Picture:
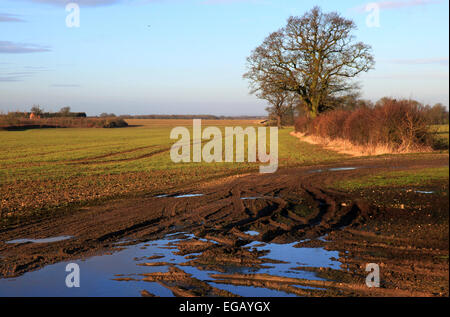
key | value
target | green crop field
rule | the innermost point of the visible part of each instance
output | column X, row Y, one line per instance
column 398, row 178
column 46, row 168
column 442, row 135
column 43, row 169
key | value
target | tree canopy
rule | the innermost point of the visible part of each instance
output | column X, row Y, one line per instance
column 314, row 56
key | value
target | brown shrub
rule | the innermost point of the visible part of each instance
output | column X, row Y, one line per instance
column 302, row 124
column 402, row 124
column 358, row 127
column 114, row 123
column 329, row 124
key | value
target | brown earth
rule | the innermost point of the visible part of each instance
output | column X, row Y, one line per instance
column 409, row 240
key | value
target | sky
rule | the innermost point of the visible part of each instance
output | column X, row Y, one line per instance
column 188, row 56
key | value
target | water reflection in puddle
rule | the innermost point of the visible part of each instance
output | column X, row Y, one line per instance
column 200, row 195
column 258, row 197
column 45, row 240
column 308, row 257
column 97, row 273
column 179, row 196
column 426, row 192
column 251, row 198
column 188, row 195
column 334, row 169
column 342, row 169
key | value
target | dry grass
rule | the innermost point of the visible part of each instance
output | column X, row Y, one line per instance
column 346, row 147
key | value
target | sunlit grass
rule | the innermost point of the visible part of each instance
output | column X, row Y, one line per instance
column 397, row 178
column 43, row 169
column 62, row 153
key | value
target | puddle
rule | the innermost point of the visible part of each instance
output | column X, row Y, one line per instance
column 342, row 169
column 180, row 196
column 45, row 240
column 309, row 257
column 252, row 233
column 251, row 198
column 97, row 273
column 258, row 197
column 188, row 195
column 334, row 169
column 199, row 195
column 427, row 192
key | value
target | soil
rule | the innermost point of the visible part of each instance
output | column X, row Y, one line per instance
column 403, row 231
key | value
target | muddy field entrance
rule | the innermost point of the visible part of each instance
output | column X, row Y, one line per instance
column 284, row 234
column 174, row 265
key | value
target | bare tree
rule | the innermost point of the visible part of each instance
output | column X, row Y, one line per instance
column 37, row 110
column 65, row 111
column 281, row 102
column 438, row 114
column 313, row 56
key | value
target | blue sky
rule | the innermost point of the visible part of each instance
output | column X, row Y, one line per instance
column 188, row 56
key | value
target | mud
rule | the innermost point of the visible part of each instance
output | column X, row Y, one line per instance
column 291, row 207
column 44, row 240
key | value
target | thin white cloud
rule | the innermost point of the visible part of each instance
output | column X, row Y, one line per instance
column 7, row 47
column 10, row 73
column 9, row 78
column 386, row 5
column 6, row 17
column 95, row 3
column 87, row 3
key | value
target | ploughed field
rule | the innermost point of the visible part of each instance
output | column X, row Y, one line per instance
column 146, row 226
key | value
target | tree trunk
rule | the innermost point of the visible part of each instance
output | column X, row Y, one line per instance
column 314, row 108
column 279, row 121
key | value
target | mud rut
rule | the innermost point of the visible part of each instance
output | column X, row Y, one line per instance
column 288, row 206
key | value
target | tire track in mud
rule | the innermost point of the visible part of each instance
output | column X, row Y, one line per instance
column 288, row 206
column 56, row 151
column 92, row 160
column 214, row 214
column 114, row 153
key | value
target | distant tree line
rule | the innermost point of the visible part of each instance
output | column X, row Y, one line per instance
column 38, row 112
column 37, row 118
column 203, row 117
column 437, row 114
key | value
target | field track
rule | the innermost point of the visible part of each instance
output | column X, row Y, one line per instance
column 291, row 205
